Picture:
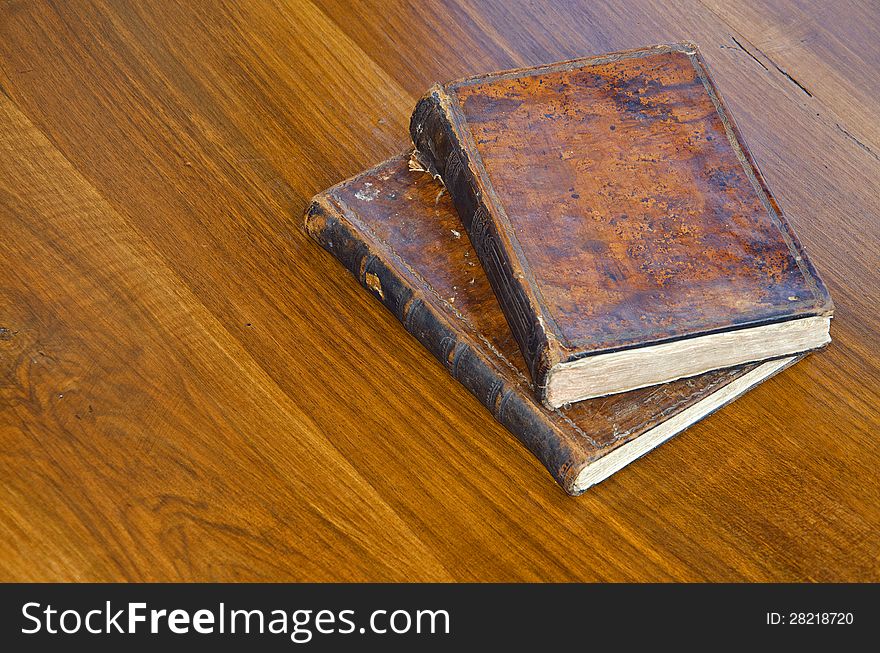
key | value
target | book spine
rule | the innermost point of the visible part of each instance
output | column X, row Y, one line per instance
column 435, row 140
column 466, row 363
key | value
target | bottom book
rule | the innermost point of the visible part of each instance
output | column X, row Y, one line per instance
column 396, row 230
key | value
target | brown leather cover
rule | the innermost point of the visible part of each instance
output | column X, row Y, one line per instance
column 398, row 233
column 613, row 204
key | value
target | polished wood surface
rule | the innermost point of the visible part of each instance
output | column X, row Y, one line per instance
column 191, row 389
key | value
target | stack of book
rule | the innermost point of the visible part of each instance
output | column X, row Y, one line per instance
column 588, row 247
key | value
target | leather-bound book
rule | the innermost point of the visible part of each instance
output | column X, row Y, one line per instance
column 398, row 233
column 626, row 230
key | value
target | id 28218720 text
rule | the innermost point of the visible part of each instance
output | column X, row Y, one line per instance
column 809, row 618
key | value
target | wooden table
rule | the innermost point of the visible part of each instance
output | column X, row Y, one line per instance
column 191, row 389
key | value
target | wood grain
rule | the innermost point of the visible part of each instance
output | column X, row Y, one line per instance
column 192, row 390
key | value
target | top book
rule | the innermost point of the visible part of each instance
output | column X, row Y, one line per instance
column 624, row 227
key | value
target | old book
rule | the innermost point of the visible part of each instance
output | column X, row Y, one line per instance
column 398, row 233
column 622, row 223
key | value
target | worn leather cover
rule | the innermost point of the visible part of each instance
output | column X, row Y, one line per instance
column 613, row 204
column 398, row 233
